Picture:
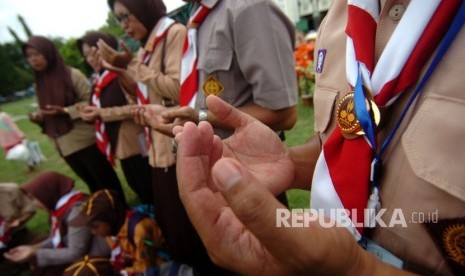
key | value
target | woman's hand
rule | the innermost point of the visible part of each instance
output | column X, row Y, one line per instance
column 112, row 58
column 90, row 114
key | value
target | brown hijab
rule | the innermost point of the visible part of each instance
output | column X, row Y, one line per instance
column 148, row 12
column 48, row 188
column 54, row 85
column 92, row 38
column 104, row 206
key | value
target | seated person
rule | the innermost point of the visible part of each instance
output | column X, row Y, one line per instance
column 16, row 208
column 53, row 193
column 133, row 237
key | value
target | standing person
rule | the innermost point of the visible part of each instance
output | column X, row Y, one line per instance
column 157, row 71
column 245, row 56
column 53, row 193
column 61, row 90
column 402, row 53
column 110, row 111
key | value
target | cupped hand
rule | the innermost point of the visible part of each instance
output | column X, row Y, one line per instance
column 53, row 110
column 89, row 113
column 20, row 254
column 112, row 57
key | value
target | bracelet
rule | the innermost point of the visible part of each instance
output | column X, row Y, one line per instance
column 202, row 115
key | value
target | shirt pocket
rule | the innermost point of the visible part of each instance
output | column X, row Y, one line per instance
column 435, row 146
column 324, row 101
column 216, row 60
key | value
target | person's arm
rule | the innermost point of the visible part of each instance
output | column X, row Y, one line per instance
column 304, row 158
column 107, row 114
column 78, row 244
column 231, row 205
column 83, row 91
column 263, row 45
column 21, row 220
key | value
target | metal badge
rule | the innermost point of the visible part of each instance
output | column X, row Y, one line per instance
column 347, row 118
column 212, row 87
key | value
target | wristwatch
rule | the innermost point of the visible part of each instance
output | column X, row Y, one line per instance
column 202, row 115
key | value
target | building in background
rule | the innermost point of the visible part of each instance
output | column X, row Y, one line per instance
column 305, row 14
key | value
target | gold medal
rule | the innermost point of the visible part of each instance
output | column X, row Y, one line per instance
column 212, row 87
column 347, row 118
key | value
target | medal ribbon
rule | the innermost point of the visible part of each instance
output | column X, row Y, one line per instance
column 345, row 163
column 63, row 204
column 189, row 74
column 103, row 142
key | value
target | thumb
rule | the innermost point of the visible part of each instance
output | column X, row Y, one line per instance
column 254, row 205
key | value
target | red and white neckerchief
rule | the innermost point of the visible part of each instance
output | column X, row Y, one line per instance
column 142, row 90
column 342, row 173
column 4, row 235
column 63, row 205
column 117, row 258
column 189, row 74
column 103, row 141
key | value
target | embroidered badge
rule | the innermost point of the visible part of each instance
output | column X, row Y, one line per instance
column 454, row 242
column 449, row 236
column 320, row 61
column 212, row 87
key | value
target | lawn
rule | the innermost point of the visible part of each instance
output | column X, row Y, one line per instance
column 16, row 172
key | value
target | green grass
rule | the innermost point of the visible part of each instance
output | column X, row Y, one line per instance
column 300, row 133
column 17, row 172
column 11, row 171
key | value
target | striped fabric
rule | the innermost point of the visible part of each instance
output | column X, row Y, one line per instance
column 162, row 31
column 103, row 141
column 189, row 74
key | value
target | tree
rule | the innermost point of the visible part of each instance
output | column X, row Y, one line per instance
column 26, row 28
column 14, row 71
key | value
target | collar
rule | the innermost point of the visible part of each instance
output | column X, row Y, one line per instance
column 209, row 3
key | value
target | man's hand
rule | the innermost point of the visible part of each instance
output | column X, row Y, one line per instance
column 230, row 204
column 254, row 145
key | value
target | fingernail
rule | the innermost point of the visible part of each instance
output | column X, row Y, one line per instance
column 227, row 175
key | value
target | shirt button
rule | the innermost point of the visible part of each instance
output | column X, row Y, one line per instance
column 396, row 12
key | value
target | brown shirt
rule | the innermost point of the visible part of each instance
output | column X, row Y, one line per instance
column 82, row 135
column 161, row 85
column 127, row 145
column 423, row 165
column 248, row 47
